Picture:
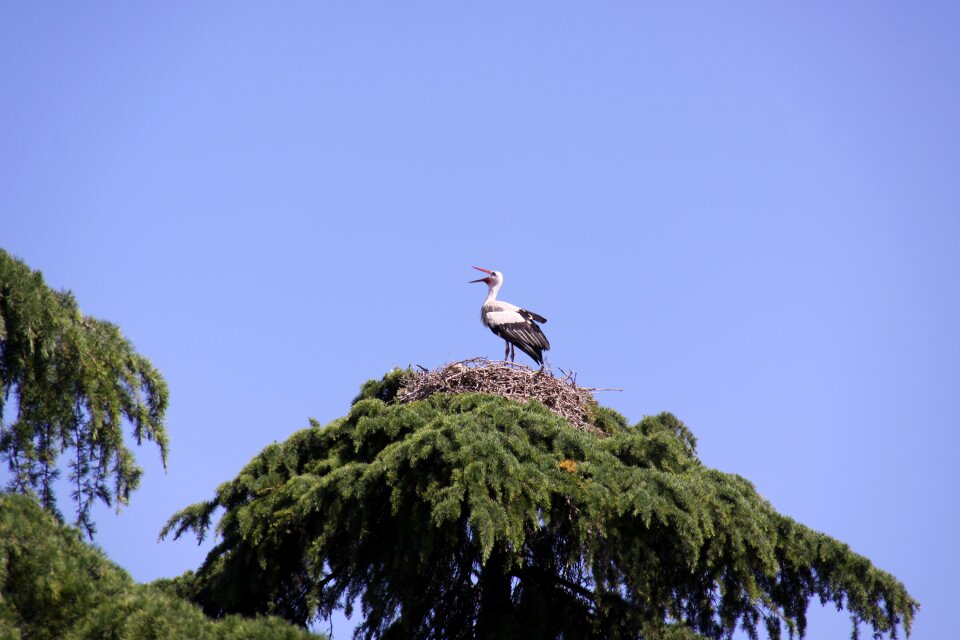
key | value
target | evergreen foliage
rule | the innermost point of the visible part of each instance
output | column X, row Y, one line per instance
column 53, row 586
column 73, row 382
column 473, row 516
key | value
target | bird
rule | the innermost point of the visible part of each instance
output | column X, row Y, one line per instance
column 518, row 327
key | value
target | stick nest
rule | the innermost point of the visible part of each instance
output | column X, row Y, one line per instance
column 509, row 380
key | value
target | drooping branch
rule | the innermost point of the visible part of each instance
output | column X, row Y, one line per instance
column 542, row 577
column 76, row 381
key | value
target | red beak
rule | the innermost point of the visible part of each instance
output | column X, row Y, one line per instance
column 486, row 280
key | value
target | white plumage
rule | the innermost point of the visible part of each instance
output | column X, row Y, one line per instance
column 517, row 326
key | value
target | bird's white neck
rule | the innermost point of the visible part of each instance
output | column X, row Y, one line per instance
column 492, row 292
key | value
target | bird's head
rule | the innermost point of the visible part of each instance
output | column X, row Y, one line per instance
column 494, row 278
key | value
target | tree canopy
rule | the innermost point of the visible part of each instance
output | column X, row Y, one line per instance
column 474, row 516
column 53, row 586
column 70, row 382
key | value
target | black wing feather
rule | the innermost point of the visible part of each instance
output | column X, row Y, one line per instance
column 526, row 336
column 530, row 315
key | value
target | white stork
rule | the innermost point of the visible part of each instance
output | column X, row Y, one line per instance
column 518, row 327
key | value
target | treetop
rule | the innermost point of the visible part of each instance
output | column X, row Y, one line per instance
column 475, row 515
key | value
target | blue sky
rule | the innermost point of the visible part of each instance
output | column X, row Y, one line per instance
column 746, row 214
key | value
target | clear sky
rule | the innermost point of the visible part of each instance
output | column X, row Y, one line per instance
column 747, row 214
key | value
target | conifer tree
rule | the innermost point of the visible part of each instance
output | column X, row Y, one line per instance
column 68, row 384
column 475, row 516
column 53, row 586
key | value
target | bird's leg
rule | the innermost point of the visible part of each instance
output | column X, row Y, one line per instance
column 506, row 352
column 513, row 352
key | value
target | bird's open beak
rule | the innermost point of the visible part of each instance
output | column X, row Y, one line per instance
column 486, row 280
